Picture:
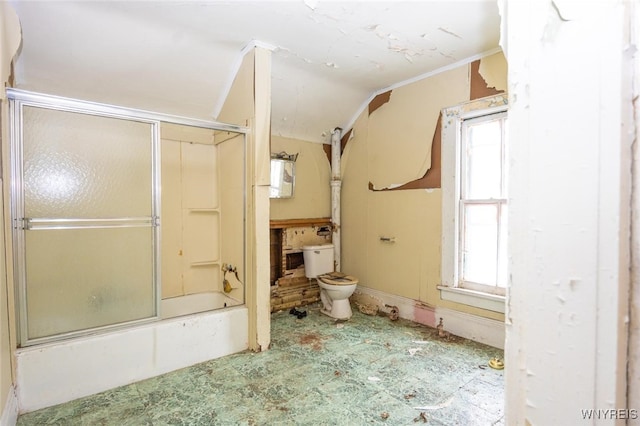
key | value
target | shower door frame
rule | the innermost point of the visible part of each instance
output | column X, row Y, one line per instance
column 20, row 98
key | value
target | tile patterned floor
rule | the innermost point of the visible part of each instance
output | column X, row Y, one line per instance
column 368, row 370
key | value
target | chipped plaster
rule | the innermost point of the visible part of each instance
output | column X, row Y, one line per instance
column 634, row 296
column 493, row 70
column 323, row 51
column 365, row 105
column 568, row 211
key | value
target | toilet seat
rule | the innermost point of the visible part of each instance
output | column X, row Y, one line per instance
column 337, row 278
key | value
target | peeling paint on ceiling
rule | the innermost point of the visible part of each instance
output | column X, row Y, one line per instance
column 177, row 57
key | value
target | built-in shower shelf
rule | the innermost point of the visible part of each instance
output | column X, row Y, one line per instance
column 203, row 210
column 205, row 263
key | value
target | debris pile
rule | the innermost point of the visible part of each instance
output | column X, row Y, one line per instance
column 293, row 292
column 367, row 309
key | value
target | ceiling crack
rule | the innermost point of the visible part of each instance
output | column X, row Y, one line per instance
column 444, row 30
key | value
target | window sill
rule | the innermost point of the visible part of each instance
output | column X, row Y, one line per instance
column 478, row 299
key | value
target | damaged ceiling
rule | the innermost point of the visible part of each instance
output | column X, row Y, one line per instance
column 329, row 58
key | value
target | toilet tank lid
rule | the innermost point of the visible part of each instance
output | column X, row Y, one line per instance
column 318, row 247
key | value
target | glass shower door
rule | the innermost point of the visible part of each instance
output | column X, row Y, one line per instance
column 85, row 222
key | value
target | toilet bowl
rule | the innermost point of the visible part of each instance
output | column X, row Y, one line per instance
column 335, row 287
column 335, row 290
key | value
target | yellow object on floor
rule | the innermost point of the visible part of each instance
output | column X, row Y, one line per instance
column 496, row 363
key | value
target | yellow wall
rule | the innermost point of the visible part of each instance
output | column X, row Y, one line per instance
column 6, row 349
column 494, row 71
column 249, row 104
column 390, row 147
column 231, row 169
column 190, row 211
column 9, row 42
column 312, row 193
column 401, row 131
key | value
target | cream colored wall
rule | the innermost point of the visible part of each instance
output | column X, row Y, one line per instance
column 190, row 211
column 232, row 191
column 249, row 104
column 9, row 42
column 6, row 349
column 312, row 193
column 354, row 201
column 238, row 108
column 10, row 39
column 261, row 128
column 401, row 131
column 494, row 71
column 391, row 147
column 6, row 346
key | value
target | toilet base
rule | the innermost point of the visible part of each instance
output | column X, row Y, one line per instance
column 340, row 309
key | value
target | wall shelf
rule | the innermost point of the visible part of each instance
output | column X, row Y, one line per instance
column 204, row 263
column 292, row 223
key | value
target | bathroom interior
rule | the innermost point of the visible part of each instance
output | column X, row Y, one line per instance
column 100, row 263
column 142, row 237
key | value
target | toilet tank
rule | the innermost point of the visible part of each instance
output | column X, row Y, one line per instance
column 318, row 260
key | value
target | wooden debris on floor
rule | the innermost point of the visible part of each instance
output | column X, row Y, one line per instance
column 293, row 292
column 421, row 418
column 442, row 333
column 367, row 309
column 393, row 313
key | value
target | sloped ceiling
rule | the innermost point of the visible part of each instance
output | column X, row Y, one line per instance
column 329, row 58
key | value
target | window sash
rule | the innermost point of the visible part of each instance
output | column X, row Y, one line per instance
column 467, row 198
column 465, row 130
column 498, row 285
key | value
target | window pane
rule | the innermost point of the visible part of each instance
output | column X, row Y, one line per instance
column 480, row 244
column 483, row 162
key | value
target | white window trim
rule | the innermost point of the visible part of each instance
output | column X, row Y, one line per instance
column 478, row 299
column 451, row 123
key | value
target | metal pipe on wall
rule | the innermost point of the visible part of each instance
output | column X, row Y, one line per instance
column 336, row 184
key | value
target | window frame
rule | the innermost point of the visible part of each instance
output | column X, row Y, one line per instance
column 452, row 120
column 464, row 201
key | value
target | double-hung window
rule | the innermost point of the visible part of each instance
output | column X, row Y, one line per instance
column 474, row 203
column 482, row 214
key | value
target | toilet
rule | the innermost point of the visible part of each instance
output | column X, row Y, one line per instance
column 335, row 287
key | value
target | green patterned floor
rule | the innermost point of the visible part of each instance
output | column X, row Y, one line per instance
column 368, row 370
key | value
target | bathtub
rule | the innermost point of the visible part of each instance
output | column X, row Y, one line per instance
column 194, row 303
column 54, row 373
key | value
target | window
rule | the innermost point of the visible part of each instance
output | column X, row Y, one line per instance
column 474, row 203
column 483, row 207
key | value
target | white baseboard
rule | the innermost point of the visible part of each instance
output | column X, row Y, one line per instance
column 483, row 330
column 10, row 411
column 473, row 327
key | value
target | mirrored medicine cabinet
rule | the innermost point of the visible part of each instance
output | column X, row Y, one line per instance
column 283, row 169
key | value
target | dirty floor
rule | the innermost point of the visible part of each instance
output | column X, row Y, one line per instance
column 368, row 370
